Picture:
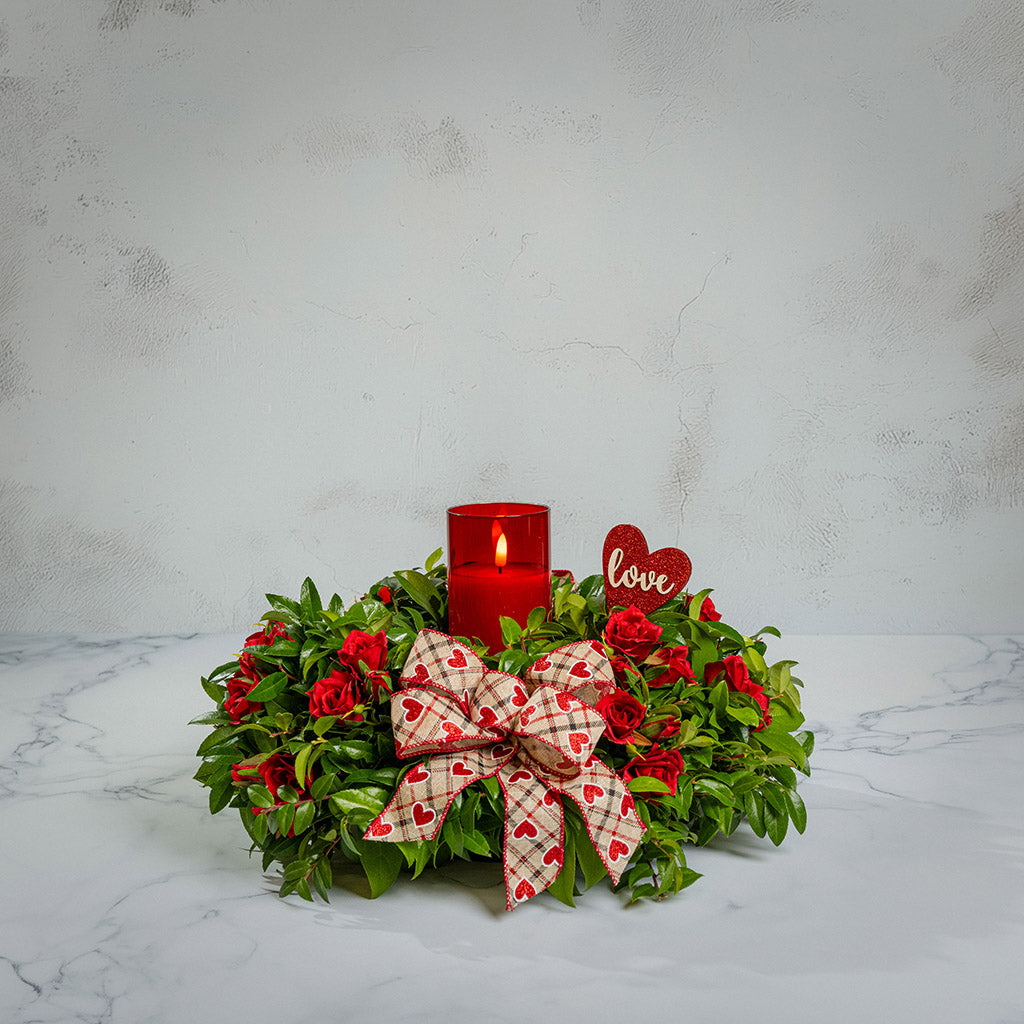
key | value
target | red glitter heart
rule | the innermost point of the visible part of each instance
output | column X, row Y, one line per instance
column 541, row 664
column 553, row 856
column 626, row 807
column 380, row 829
column 519, row 697
column 452, row 732
column 520, row 776
column 617, row 849
column 417, row 774
column 461, row 768
column 488, row 719
column 563, row 700
column 421, row 815
column 525, row 830
column 457, row 659
column 581, row 670
column 524, row 890
column 634, row 575
column 592, row 793
column 578, row 740
column 525, row 715
column 549, row 799
column 421, row 673
column 413, row 708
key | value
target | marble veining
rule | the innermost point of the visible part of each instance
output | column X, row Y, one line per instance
column 124, row 901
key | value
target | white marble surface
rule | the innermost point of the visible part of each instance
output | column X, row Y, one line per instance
column 124, row 901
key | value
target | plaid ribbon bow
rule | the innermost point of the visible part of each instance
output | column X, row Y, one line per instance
column 535, row 734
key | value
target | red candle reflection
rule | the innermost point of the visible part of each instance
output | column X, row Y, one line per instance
column 498, row 564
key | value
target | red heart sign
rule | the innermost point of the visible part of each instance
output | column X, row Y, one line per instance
column 635, row 575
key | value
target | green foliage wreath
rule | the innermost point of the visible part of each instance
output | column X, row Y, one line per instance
column 703, row 730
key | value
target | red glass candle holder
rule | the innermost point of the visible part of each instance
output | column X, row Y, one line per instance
column 498, row 564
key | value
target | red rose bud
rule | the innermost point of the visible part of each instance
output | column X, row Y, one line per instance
column 337, row 695
column 624, row 671
column 737, row 678
column 369, row 648
column 666, row 765
column 384, row 595
column 631, row 633
column 235, row 703
column 677, row 662
column 380, row 685
column 244, row 775
column 708, row 612
column 623, row 715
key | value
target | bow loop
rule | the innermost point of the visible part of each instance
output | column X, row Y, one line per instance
column 581, row 668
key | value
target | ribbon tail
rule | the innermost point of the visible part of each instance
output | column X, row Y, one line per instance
column 534, row 834
column 608, row 812
column 421, row 801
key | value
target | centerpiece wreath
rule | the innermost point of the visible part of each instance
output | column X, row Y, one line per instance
column 701, row 729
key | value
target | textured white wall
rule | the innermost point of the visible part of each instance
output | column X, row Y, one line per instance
column 281, row 280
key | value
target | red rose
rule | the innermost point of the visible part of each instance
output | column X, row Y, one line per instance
column 384, row 595
column 369, row 648
column 677, row 662
column 666, row 765
column 708, row 612
column 737, row 678
column 243, row 775
column 631, row 633
column 235, row 703
column 336, row 695
column 624, row 671
column 669, row 728
column 279, row 770
column 271, row 632
column 622, row 714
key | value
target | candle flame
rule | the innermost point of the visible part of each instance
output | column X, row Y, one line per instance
column 500, row 549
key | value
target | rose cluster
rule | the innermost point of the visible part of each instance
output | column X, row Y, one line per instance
column 361, row 674
column 642, row 663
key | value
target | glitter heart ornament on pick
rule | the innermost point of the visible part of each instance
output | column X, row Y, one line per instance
column 635, row 575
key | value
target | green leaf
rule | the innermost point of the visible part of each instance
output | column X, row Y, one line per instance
column 776, row 738
column 220, row 795
column 421, row 589
column 300, row 764
column 214, row 691
column 268, row 687
column 368, row 798
column 304, row 814
column 744, row 715
column 323, row 724
column 309, row 598
column 719, row 790
column 381, row 861
column 753, row 807
column 775, row 822
column 511, row 631
column 564, row 885
column 435, row 557
column 797, row 810
column 720, row 700
column 286, row 604
column 646, row 784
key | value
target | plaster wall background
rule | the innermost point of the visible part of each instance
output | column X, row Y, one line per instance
column 281, row 281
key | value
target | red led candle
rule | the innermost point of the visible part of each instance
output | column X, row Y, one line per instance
column 498, row 564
